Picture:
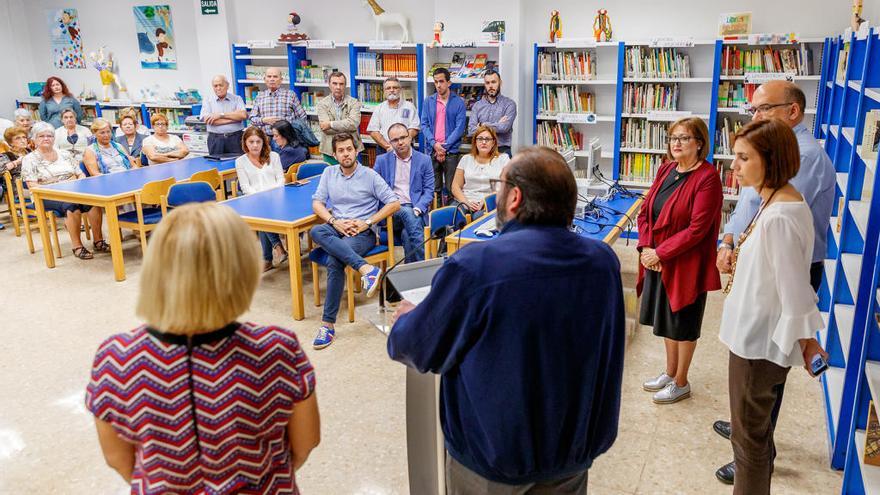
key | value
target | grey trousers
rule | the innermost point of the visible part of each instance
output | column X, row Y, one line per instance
column 462, row 481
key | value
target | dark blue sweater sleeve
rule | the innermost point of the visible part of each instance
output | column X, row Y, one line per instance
column 439, row 331
column 609, row 379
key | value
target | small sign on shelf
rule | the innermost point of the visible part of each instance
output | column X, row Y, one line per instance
column 576, row 118
column 575, row 43
column 762, row 77
column 671, row 42
column 385, row 44
column 667, row 115
column 261, row 44
column 773, row 38
column 323, row 44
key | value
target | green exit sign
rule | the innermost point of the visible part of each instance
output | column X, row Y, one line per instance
column 209, row 7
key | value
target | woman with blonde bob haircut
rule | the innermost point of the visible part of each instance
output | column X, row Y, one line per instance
column 200, row 274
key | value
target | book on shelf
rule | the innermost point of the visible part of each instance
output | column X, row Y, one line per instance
column 729, row 185
column 640, row 167
column 735, row 94
column 176, row 116
column 724, row 135
column 370, row 153
column 656, row 62
column 371, row 64
column 365, row 121
column 559, row 136
column 259, row 72
column 644, row 97
column 871, row 135
column 310, row 98
column 639, row 133
column 565, row 99
column 250, row 93
column 308, row 72
column 466, row 66
column 738, row 61
column 842, row 61
column 470, row 95
column 458, row 61
column 439, row 65
column 567, row 65
column 370, row 93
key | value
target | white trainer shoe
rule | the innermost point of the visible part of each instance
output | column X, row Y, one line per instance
column 657, row 383
column 672, row 393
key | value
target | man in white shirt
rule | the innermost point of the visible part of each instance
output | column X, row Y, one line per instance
column 224, row 113
column 392, row 111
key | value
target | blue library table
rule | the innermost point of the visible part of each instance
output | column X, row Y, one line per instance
column 110, row 191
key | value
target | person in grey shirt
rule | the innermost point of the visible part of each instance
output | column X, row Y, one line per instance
column 348, row 199
column 494, row 110
column 815, row 181
column 224, row 113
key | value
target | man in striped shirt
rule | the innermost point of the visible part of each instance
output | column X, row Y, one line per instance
column 275, row 103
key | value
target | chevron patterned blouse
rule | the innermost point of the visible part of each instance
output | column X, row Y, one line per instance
column 208, row 413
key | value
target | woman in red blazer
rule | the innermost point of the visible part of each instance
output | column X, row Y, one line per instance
column 678, row 231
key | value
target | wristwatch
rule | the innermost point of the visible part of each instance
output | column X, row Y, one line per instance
column 369, row 222
column 725, row 245
column 331, row 220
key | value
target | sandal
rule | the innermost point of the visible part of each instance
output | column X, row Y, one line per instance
column 82, row 253
column 101, row 246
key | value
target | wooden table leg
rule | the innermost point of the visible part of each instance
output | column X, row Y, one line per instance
column 295, row 261
column 44, row 229
column 115, row 241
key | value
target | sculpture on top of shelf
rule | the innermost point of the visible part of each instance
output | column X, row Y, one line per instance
column 87, row 94
column 292, row 34
column 555, row 26
column 856, row 21
column 382, row 18
column 105, row 65
column 602, row 26
column 438, row 29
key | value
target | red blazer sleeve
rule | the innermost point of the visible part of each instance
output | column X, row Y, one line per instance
column 704, row 216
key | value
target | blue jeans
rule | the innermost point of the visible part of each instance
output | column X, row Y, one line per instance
column 344, row 251
column 412, row 230
column 269, row 240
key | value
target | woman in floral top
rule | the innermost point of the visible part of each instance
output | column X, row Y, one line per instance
column 47, row 165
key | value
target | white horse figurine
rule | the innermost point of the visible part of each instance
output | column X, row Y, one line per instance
column 382, row 18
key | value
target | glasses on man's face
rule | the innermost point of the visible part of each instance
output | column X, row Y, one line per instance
column 398, row 140
column 495, row 184
column 485, row 139
column 765, row 107
column 680, row 139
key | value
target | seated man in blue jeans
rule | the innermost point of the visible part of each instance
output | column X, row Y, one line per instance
column 410, row 175
column 348, row 199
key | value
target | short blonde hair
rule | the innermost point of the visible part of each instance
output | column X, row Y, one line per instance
column 156, row 117
column 200, row 270
column 99, row 124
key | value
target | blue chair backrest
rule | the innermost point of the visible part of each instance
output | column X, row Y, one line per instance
column 190, row 192
column 144, row 160
column 82, row 166
column 491, row 202
column 307, row 170
column 444, row 217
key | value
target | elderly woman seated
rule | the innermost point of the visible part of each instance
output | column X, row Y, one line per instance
column 47, row 165
column 129, row 134
column 106, row 155
column 23, row 118
column 162, row 147
column 72, row 137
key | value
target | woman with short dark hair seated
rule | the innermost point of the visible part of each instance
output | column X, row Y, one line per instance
column 47, row 165
column 130, row 139
column 290, row 150
column 193, row 401
column 71, row 136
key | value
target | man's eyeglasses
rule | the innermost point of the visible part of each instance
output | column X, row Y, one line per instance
column 766, row 107
column 495, row 184
column 398, row 140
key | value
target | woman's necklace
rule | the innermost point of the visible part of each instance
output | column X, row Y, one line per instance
column 679, row 175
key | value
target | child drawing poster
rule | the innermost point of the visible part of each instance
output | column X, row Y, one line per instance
column 65, row 39
column 155, row 35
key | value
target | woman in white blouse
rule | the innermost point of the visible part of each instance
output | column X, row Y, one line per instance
column 162, row 147
column 770, row 316
column 471, row 183
column 259, row 169
column 72, row 137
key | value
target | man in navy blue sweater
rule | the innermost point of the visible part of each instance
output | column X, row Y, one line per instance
column 527, row 331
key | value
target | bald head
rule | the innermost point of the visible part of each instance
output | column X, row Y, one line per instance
column 779, row 99
column 220, row 86
column 273, row 78
column 538, row 188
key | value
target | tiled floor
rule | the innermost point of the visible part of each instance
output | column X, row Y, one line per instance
column 52, row 321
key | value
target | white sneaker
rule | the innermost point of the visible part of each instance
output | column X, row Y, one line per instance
column 672, row 393
column 657, row 383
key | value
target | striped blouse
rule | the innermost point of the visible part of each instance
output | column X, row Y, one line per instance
column 207, row 413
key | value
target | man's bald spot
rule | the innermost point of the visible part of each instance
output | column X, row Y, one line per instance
column 274, row 70
column 220, row 79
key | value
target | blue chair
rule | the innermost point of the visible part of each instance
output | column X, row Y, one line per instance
column 145, row 162
column 490, row 202
column 188, row 192
column 439, row 219
column 310, row 169
column 382, row 254
column 84, row 169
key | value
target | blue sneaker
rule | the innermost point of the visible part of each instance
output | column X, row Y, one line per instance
column 324, row 338
column 370, row 281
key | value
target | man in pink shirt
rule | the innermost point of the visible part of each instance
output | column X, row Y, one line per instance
column 443, row 125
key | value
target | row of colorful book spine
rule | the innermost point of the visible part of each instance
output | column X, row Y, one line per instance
column 639, row 133
column 560, row 136
column 656, row 62
column 639, row 167
column 567, row 65
column 724, row 135
column 737, row 61
column 565, row 99
column 734, row 94
column 641, row 98
column 372, row 64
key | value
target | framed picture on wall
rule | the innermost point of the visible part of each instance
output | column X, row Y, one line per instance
column 155, row 35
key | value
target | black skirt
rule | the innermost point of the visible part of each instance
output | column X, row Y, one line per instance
column 683, row 325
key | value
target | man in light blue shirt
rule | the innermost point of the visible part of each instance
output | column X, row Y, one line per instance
column 224, row 113
column 815, row 181
column 348, row 199
column 494, row 110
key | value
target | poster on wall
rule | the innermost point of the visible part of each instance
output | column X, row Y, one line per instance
column 65, row 39
column 155, row 36
column 735, row 24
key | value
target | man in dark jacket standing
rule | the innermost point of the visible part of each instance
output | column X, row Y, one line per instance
column 527, row 331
